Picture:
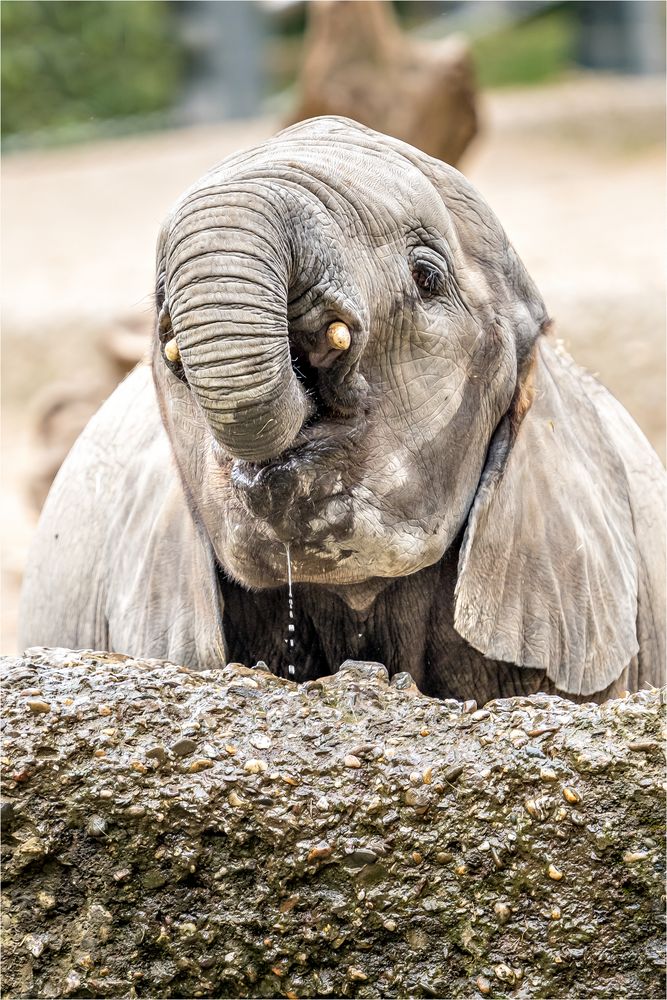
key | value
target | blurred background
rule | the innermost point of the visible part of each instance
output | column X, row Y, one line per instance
column 110, row 109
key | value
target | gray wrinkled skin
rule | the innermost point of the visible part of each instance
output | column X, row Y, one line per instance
column 458, row 499
column 231, row 834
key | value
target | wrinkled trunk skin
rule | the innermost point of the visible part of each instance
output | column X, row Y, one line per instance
column 227, row 299
column 232, row 834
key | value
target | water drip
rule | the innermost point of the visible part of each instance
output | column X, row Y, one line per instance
column 290, row 606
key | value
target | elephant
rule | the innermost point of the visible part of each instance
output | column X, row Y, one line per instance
column 356, row 438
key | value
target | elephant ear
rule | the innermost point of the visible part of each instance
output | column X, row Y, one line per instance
column 547, row 568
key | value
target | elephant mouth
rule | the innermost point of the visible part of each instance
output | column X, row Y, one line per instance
column 289, row 490
column 313, row 508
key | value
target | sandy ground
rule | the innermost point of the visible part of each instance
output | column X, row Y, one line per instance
column 576, row 173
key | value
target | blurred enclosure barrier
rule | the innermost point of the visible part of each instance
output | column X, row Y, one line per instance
column 359, row 64
column 627, row 36
column 80, row 69
column 225, row 46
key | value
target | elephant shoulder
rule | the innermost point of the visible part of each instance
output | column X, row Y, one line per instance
column 117, row 561
column 65, row 590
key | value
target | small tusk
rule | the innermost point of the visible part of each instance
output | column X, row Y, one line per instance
column 171, row 351
column 338, row 336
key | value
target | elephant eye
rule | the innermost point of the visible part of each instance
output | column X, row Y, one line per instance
column 428, row 277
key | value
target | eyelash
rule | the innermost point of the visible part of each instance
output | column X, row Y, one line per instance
column 427, row 277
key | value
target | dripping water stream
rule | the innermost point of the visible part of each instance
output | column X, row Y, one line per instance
column 290, row 623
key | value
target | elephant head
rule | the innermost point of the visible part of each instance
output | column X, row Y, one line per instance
column 347, row 354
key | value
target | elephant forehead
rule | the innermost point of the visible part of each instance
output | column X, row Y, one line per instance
column 376, row 178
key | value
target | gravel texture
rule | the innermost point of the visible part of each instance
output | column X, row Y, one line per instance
column 232, row 834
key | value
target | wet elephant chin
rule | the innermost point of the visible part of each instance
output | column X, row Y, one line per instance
column 343, row 544
column 336, row 532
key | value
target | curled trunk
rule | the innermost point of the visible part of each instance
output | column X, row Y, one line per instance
column 227, row 297
column 232, row 834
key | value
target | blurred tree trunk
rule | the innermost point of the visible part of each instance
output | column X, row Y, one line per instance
column 360, row 65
